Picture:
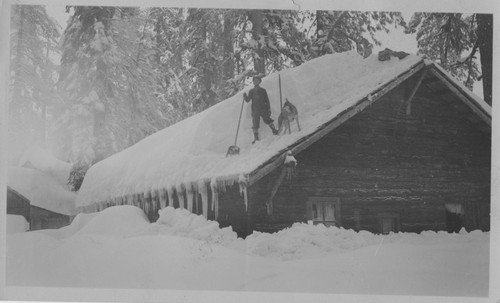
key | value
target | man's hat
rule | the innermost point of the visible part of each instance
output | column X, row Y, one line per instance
column 257, row 77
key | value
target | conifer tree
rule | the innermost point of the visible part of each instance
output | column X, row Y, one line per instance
column 33, row 42
column 453, row 40
column 108, row 81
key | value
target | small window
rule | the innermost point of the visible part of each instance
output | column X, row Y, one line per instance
column 324, row 210
column 389, row 222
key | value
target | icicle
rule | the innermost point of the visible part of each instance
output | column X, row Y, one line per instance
column 290, row 164
column 202, row 189
column 145, row 203
column 196, row 204
column 154, row 205
column 163, row 198
column 216, row 209
column 170, row 195
column 243, row 181
column 215, row 195
column 189, row 196
column 179, row 188
column 137, row 201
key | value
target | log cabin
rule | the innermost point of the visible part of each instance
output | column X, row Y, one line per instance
column 393, row 145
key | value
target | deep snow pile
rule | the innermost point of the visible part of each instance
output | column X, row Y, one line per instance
column 124, row 221
column 306, row 240
column 119, row 248
column 17, row 224
column 194, row 149
column 180, row 222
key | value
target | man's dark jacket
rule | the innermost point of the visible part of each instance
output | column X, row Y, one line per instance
column 260, row 101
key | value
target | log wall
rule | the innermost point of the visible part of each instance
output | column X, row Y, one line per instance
column 385, row 161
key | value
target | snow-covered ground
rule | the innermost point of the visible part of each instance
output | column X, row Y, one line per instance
column 120, row 248
column 16, row 224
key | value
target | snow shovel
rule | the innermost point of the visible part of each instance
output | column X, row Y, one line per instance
column 234, row 149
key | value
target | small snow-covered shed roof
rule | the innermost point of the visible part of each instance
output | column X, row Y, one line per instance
column 41, row 159
column 327, row 91
column 42, row 190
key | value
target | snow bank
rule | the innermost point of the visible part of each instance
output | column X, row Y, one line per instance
column 180, row 222
column 195, row 148
column 78, row 223
column 118, row 248
column 17, row 224
column 306, row 240
column 120, row 221
column 42, row 190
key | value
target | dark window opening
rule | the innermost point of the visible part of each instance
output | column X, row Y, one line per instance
column 454, row 217
column 324, row 210
column 389, row 222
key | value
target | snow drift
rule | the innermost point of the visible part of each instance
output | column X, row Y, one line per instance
column 17, row 224
column 118, row 248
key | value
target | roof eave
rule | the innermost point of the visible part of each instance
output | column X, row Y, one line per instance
column 476, row 104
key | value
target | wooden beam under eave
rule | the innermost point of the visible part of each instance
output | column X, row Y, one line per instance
column 414, row 91
column 327, row 127
column 461, row 95
column 274, row 190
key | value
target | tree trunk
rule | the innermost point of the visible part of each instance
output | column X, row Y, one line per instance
column 320, row 24
column 158, row 37
column 228, row 66
column 207, row 73
column 15, row 102
column 485, row 36
column 257, row 30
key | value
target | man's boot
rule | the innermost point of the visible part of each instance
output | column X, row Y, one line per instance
column 275, row 131
column 255, row 135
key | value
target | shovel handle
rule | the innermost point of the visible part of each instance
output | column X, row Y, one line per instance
column 239, row 121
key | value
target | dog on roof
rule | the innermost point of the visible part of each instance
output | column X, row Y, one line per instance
column 288, row 114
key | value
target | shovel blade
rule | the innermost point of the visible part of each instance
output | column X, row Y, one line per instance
column 233, row 150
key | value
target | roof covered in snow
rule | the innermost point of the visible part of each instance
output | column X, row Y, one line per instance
column 193, row 151
column 41, row 159
column 42, row 190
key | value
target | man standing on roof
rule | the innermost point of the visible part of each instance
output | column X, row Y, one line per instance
column 260, row 107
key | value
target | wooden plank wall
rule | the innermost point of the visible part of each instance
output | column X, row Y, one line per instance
column 17, row 204
column 385, row 161
column 45, row 219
